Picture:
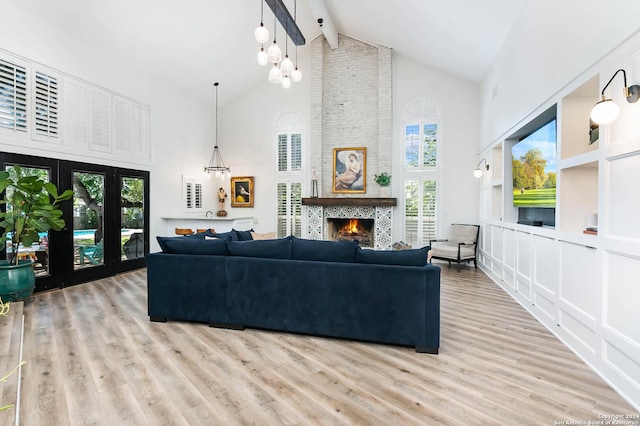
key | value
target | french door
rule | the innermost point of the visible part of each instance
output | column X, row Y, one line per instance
column 107, row 221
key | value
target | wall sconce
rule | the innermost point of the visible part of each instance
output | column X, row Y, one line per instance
column 606, row 111
column 478, row 171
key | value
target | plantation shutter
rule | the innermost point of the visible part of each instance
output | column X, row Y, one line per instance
column 289, row 209
column 296, row 209
column 296, row 152
column 428, row 211
column 13, row 96
column 46, row 107
column 76, row 113
column 122, row 109
column 411, row 211
column 100, row 120
column 282, row 208
column 283, row 153
column 197, row 201
column 420, row 211
column 189, row 195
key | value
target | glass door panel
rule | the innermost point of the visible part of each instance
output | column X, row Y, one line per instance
column 38, row 251
column 88, row 219
column 132, row 203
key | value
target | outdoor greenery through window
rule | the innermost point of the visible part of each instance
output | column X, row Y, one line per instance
column 39, row 251
column 421, row 145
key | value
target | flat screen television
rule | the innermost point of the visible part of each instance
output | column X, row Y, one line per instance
column 534, row 168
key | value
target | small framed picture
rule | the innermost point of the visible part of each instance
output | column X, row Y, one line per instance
column 242, row 191
column 350, row 170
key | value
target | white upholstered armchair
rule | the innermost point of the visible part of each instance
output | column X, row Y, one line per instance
column 459, row 246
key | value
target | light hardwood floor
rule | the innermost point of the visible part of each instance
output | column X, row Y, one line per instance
column 93, row 357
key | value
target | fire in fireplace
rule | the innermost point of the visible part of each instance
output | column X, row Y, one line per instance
column 360, row 230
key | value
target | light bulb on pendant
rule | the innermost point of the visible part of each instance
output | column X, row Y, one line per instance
column 263, row 59
column 262, row 34
column 275, row 75
column 274, row 54
column 286, row 66
column 296, row 75
column 286, row 82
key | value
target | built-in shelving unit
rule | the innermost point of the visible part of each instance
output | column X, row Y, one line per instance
column 580, row 285
column 578, row 165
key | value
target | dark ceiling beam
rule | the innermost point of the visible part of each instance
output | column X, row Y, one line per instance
column 286, row 20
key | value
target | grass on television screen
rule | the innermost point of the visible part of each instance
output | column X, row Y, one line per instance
column 544, row 197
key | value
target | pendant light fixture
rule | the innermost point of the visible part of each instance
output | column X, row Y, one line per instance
column 283, row 71
column 261, row 33
column 216, row 164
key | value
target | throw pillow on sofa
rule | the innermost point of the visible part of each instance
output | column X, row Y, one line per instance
column 274, row 249
column 183, row 245
column 243, row 235
column 324, row 251
column 415, row 257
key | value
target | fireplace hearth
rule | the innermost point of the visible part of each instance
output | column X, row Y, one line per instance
column 377, row 214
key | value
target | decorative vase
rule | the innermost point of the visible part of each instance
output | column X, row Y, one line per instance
column 16, row 281
column 384, row 192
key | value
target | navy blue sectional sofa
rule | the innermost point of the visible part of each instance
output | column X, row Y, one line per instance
column 324, row 288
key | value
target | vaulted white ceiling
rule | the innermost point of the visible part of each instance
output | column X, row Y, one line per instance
column 196, row 42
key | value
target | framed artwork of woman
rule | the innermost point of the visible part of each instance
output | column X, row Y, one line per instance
column 242, row 191
column 349, row 170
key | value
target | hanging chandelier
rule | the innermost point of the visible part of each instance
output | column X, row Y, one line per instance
column 216, row 164
column 282, row 71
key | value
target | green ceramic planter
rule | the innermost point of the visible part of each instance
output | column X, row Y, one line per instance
column 16, row 281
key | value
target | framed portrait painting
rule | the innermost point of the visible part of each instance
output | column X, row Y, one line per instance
column 350, row 170
column 242, row 191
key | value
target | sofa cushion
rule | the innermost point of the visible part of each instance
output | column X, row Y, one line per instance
column 243, row 235
column 325, row 251
column 415, row 257
column 275, row 249
column 180, row 245
column 223, row 235
column 163, row 245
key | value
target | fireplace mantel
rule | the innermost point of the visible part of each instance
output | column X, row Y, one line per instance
column 357, row 202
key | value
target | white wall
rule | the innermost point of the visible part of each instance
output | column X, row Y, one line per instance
column 459, row 102
column 550, row 44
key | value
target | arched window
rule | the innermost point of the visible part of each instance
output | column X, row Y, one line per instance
column 421, row 146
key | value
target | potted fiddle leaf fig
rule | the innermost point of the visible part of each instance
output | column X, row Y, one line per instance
column 31, row 207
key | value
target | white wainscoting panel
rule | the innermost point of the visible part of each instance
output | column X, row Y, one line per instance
column 624, row 174
column 545, row 277
column 621, row 300
column 509, row 236
column 523, row 264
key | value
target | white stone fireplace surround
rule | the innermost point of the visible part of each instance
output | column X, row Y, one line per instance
column 378, row 209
